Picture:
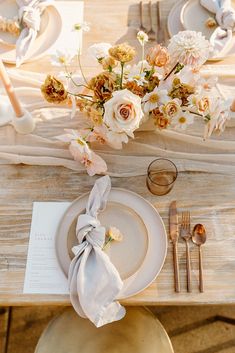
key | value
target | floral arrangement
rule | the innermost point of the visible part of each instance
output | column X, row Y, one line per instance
column 165, row 86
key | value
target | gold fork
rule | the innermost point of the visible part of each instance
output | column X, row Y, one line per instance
column 160, row 28
column 141, row 27
column 151, row 34
column 186, row 235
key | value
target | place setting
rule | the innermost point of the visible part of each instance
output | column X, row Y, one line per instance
column 109, row 244
column 214, row 19
column 124, row 237
column 31, row 29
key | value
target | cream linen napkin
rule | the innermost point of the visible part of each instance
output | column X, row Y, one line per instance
column 225, row 15
column 30, row 14
column 94, row 282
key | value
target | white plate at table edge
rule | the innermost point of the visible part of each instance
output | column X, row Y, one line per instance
column 157, row 236
column 41, row 40
column 174, row 17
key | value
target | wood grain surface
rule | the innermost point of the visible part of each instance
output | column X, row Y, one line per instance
column 209, row 197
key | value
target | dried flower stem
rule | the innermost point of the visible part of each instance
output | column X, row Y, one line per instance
column 190, row 111
column 172, row 70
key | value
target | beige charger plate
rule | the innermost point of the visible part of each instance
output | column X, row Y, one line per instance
column 140, row 256
column 51, row 25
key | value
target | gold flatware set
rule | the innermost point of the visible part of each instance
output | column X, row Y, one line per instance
column 150, row 21
column 198, row 237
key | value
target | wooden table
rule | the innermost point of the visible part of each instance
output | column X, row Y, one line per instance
column 210, row 198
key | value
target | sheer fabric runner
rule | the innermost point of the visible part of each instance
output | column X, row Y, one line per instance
column 188, row 150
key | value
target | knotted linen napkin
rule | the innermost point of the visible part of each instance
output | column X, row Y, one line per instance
column 30, row 15
column 225, row 15
column 94, row 282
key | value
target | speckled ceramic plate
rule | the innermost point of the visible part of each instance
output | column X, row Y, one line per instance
column 140, row 256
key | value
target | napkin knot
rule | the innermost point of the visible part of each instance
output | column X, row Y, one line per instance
column 90, row 229
column 30, row 16
column 29, row 12
column 226, row 18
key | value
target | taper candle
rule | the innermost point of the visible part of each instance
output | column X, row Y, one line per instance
column 10, row 91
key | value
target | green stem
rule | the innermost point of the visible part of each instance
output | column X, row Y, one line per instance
column 122, row 73
column 107, row 242
column 151, row 72
column 80, row 67
column 142, row 62
column 79, row 95
column 71, row 78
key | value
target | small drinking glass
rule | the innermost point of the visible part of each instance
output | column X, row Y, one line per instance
column 161, row 175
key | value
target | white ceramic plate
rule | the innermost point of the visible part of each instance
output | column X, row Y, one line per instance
column 51, row 25
column 173, row 21
column 193, row 17
column 140, row 256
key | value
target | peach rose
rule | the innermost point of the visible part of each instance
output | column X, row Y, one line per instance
column 157, row 56
column 172, row 108
column 203, row 105
column 123, row 112
column 160, row 120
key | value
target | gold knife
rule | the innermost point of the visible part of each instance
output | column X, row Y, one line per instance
column 174, row 235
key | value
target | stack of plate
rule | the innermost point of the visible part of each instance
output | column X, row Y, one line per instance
column 190, row 15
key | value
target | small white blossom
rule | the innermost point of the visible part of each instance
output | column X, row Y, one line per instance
column 217, row 117
column 154, row 99
column 81, row 26
column 115, row 234
column 99, row 51
column 142, row 37
column 62, row 58
column 183, row 120
column 136, row 72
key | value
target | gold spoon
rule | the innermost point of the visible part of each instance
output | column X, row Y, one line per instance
column 199, row 238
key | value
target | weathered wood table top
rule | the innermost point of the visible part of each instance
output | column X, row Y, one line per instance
column 209, row 197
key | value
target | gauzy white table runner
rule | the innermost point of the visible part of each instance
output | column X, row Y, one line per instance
column 189, row 150
column 43, row 274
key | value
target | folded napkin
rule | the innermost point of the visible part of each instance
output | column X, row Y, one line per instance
column 94, row 282
column 225, row 15
column 30, row 15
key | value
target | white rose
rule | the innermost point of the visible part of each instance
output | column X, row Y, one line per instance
column 123, row 112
